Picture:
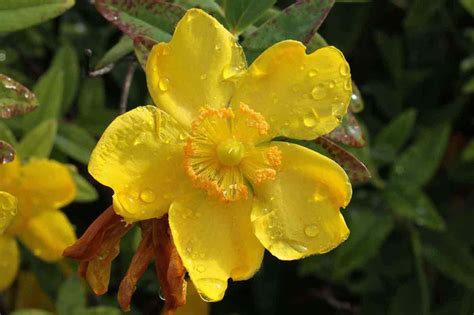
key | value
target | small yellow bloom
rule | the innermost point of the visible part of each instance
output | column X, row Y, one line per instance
column 206, row 156
column 40, row 188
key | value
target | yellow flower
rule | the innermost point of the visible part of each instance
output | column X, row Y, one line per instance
column 40, row 188
column 206, row 156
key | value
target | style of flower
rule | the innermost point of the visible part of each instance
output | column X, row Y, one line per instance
column 30, row 198
column 208, row 158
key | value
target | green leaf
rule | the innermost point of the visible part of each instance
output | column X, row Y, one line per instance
column 15, row 99
column 39, row 141
column 241, row 13
column 85, row 191
column 7, row 135
column 100, row 310
column 147, row 18
column 420, row 161
column 68, row 60
column 31, row 312
column 468, row 5
column 421, row 11
column 415, row 206
column 316, row 42
column 392, row 52
column 368, row 232
column 93, row 115
column 50, row 90
column 7, row 153
column 420, row 272
column 16, row 15
column 467, row 154
column 406, row 300
column 299, row 22
column 71, row 296
column 123, row 47
column 451, row 259
column 75, row 142
column 391, row 139
column 206, row 5
column 142, row 48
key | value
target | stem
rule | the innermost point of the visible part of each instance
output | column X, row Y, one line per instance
column 126, row 87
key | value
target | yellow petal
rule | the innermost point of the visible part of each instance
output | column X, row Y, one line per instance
column 298, row 213
column 195, row 68
column 140, row 157
column 48, row 234
column 301, row 96
column 10, row 261
column 45, row 184
column 215, row 241
column 8, row 206
column 9, row 174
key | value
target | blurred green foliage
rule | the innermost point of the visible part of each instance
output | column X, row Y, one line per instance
column 411, row 244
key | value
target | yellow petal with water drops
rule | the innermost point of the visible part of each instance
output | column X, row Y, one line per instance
column 9, row 174
column 301, row 96
column 45, row 184
column 8, row 210
column 9, row 261
column 48, row 234
column 215, row 241
column 196, row 68
column 140, row 157
column 298, row 213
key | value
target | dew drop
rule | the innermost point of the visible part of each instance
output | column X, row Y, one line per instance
column 338, row 108
column 332, row 84
column 164, row 84
column 203, row 76
column 200, row 268
column 310, row 120
column 318, row 92
column 312, row 73
column 348, row 84
column 161, row 295
column 147, row 196
column 297, row 246
column 211, row 285
column 311, row 230
column 230, row 71
column 344, row 69
column 217, row 47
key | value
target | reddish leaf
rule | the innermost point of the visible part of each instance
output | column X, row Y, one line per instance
column 349, row 132
column 149, row 18
column 15, row 99
column 355, row 169
column 7, row 153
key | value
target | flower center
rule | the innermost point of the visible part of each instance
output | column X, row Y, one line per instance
column 230, row 152
column 223, row 154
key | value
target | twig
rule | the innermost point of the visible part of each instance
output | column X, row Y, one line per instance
column 126, row 87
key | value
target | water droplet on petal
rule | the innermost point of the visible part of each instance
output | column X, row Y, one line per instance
column 212, row 285
column 311, row 230
column 203, row 76
column 297, row 246
column 217, row 47
column 312, row 73
column 348, row 84
column 200, row 268
column 311, row 119
column 319, row 92
column 344, row 69
column 338, row 108
column 147, row 196
column 161, row 295
column 332, row 84
column 164, row 84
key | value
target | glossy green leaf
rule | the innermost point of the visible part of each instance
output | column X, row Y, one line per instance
column 299, row 21
column 419, row 162
column 39, row 141
column 123, row 47
column 15, row 99
column 451, row 259
column 18, row 14
column 468, row 5
column 316, row 42
column 415, row 206
column 7, row 135
column 85, row 191
column 75, row 142
column 417, row 246
column 368, row 232
column 421, row 11
column 468, row 153
column 241, row 13
column 71, row 296
column 7, row 153
column 148, row 18
column 390, row 140
column 68, row 60
column 206, row 5
column 392, row 53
